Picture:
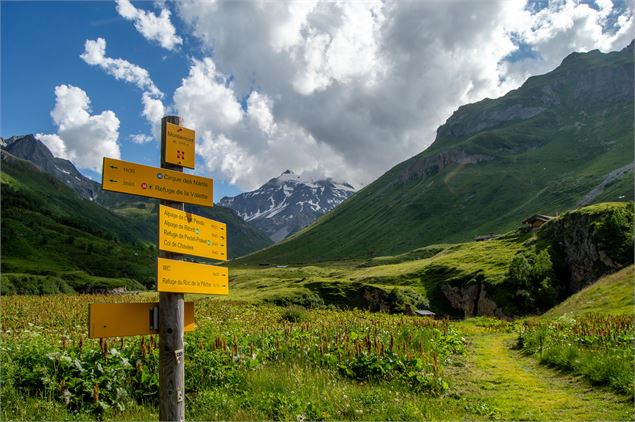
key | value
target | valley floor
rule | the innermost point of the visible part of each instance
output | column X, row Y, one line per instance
column 504, row 384
column 263, row 362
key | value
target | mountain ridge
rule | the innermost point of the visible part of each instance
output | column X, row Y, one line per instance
column 135, row 212
column 474, row 180
column 29, row 148
column 287, row 203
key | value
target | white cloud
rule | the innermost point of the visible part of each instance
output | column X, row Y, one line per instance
column 205, row 96
column 95, row 54
column 352, row 88
column 153, row 108
column 153, row 27
column 244, row 146
column 81, row 137
column 54, row 143
column 344, row 52
column 140, row 138
column 259, row 110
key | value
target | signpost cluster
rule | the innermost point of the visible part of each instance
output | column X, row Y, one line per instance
column 179, row 234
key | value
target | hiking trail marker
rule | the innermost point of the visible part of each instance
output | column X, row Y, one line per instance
column 179, row 233
column 136, row 179
column 129, row 319
column 186, row 233
column 190, row 277
column 179, row 146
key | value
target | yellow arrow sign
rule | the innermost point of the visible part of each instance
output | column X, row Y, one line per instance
column 184, row 232
column 179, row 145
column 136, row 179
column 189, row 277
column 128, row 319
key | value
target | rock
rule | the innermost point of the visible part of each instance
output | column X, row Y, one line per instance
column 582, row 249
column 429, row 166
column 471, row 298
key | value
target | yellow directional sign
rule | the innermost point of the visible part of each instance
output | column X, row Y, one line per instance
column 189, row 277
column 179, row 145
column 129, row 319
column 136, row 179
column 184, row 232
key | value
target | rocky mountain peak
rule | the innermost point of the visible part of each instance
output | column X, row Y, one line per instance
column 287, row 203
column 28, row 147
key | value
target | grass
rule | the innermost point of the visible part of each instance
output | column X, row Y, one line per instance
column 47, row 227
column 512, row 387
column 244, row 362
column 612, row 294
column 421, row 271
column 247, row 362
column 51, row 282
column 598, row 347
column 298, row 392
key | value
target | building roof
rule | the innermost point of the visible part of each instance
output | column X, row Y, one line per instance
column 424, row 312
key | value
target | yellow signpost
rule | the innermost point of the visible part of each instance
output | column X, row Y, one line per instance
column 129, row 319
column 189, row 277
column 179, row 146
column 136, row 179
column 179, row 233
column 184, row 232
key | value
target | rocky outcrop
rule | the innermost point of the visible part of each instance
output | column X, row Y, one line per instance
column 429, row 166
column 31, row 149
column 471, row 298
column 464, row 123
column 610, row 178
column 589, row 243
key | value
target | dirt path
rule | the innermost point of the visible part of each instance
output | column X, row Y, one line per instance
column 501, row 383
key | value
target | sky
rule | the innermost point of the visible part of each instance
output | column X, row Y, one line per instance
column 332, row 89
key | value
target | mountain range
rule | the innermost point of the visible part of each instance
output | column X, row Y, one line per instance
column 561, row 140
column 29, row 148
column 288, row 203
column 56, row 221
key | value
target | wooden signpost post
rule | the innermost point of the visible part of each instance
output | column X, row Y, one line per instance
column 178, row 233
column 171, row 321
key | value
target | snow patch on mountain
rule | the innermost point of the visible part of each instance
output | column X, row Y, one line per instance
column 289, row 202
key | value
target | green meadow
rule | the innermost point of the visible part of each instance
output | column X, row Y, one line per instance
column 257, row 361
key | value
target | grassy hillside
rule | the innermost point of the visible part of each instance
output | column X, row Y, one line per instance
column 612, row 294
column 389, row 283
column 539, row 149
column 518, row 273
column 50, row 237
column 54, row 241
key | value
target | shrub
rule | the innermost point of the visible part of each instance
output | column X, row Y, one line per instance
column 294, row 313
column 406, row 300
column 531, row 277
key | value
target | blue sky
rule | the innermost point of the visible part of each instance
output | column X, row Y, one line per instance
column 316, row 87
column 41, row 47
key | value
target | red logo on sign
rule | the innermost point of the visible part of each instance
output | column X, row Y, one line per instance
column 144, row 185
